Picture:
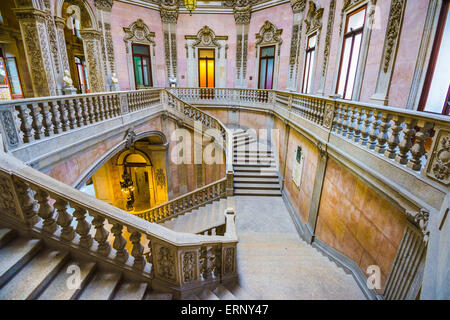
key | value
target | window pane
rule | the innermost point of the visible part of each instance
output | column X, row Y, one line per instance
column 441, row 77
column 140, row 49
column 3, row 81
column 13, row 76
column 80, row 76
column 312, row 41
column 146, row 68
column 86, row 78
column 268, row 51
column 310, row 72
column 306, row 75
column 344, row 66
column 202, row 73
column 211, row 73
column 138, row 71
column 269, row 73
column 262, row 74
column 205, row 53
column 356, row 20
column 353, row 66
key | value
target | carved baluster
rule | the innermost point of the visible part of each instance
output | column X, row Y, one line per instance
column 45, row 211
column 353, row 112
column 83, row 227
column 64, row 112
column 406, row 141
column 394, row 138
column 101, row 235
column 358, row 113
column 27, row 202
column 37, row 121
column 26, row 123
column 367, row 114
column 64, row 219
column 71, row 114
column 56, row 117
column 418, row 149
column 339, row 118
column 119, row 242
column 345, row 120
column 84, row 111
column 383, row 135
column 375, row 130
column 137, row 252
column 78, row 112
column 149, row 256
column 47, row 119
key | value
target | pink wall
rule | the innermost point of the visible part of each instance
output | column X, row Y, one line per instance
column 122, row 15
column 281, row 17
column 221, row 24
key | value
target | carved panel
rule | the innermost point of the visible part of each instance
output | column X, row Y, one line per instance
column 7, row 204
column 165, row 263
column 9, row 128
column 229, row 260
column 189, row 263
column 328, row 116
column 313, row 19
column 328, row 37
column 438, row 167
column 91, row 45
column 393, row 32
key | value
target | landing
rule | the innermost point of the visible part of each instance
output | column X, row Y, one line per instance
column 274, row 263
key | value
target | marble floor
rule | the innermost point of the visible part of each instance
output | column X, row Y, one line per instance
column 275, row 263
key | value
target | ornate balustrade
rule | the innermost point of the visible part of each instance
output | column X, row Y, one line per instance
column 51, row 209
column 415, row 142
column 186, row 202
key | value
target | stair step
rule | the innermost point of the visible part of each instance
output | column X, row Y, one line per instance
column 254, row 160
column 15, row 255
column 223, row 293
column 257, row 192
column 257, row 179
column 208, row 295
column 58, row 289
column 262, row 186
column 252, row 165
column 158, row 296
column 131, row 290
column 6, row 236
column 239, row 292
column 266, row 151
column 101, row 287
column 256, row 174
column 34, row 276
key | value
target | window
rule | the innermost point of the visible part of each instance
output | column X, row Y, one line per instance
column 142, row 66
column 83, row 83
column 206, row 68
column 309, row 64
column 9, row 76
column 351, row 48
column 436, row 93
column 266, row 65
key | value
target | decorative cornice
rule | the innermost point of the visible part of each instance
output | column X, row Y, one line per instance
column 138, row 31
column 242, row 14
column 206, row 37
column 169, row 13
column 269, row 34
column 298, row 6
column 104, row 5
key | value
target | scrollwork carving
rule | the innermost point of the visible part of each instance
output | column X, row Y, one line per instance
column 393, row 31
column 439, row 164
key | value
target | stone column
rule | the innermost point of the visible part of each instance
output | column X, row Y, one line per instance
column 40, row 61
column 169, row 17
column 92, row 52
column 298, row 6
column 391, row 42
column 242, row 17
column 107, row 52
column 60, row 25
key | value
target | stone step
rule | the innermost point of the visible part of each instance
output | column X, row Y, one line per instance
column 101, row 287
column 6, row 236
column 239, row 291
column 259, row 151
column 158, row 296
column 254, row 160
column 58, row 289
column 256, row 192
column 31, row 280
column 257, row 179
column 131, row 290
column 261, row 186
column 242, row 143
column 15, row 255
column 253, row 166
column 208, row 295
column 256, row 174
column 224, row 294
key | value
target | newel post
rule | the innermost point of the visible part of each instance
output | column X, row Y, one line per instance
column 230, row 176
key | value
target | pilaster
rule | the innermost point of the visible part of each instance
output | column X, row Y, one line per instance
column 169, row 17
column 92, row 48
column 298, row 7
column 242, row 17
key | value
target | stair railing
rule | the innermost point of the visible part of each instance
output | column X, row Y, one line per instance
column 172, row 261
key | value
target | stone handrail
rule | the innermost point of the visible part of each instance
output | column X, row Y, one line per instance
column 186, row 202
column 172, row 260
column 417, row 141
column 27, row 120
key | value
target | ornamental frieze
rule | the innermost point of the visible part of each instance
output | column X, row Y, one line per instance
column 438, row 167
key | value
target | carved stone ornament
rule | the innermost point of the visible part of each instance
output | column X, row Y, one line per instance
column 313, row 19
column 421, row 218
column 166, row 263
column 188, row 266
column 104, row 5
column 328, row 37
column 322, row 148
column 298, row 5
column 7, row 204
column 328, row 116
column 130, row 138
column 138, row 31
column 439, row 164
column 393, row 31
column 228, row 260
column 169, row 13
column 160, row 178
column 206, row 38
column 269, row 34
column 7, row 122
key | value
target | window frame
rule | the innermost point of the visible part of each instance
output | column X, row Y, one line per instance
column 352, row 33
column 142, row 65
column 266, row 58
column 207, row 59
column 13, row 96
column 309, row 51
column 436, row 47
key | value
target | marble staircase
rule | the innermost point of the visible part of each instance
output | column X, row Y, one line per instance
column 29, row 270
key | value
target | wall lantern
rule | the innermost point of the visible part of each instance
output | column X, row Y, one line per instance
column 190, row 5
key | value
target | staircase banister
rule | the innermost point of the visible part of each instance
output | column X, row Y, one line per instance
column 16, row 168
